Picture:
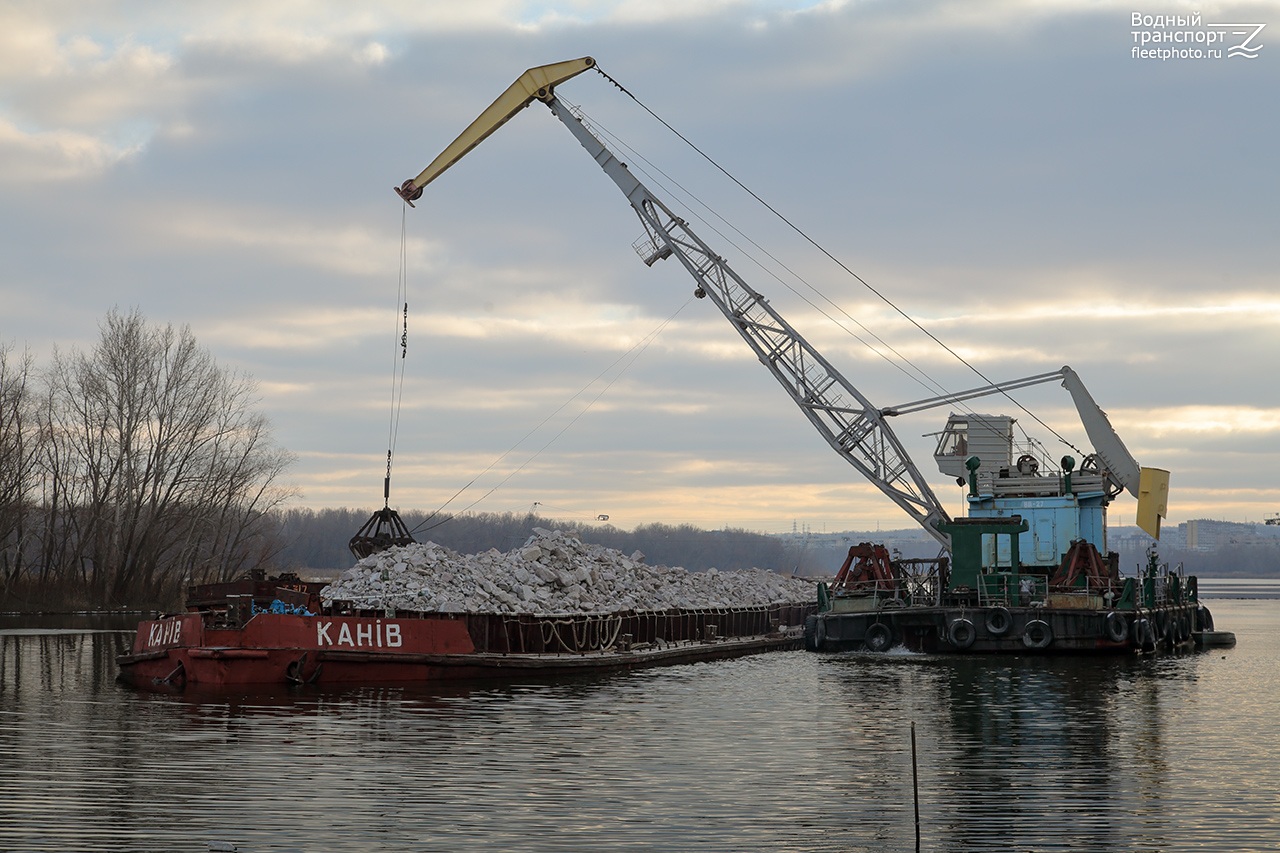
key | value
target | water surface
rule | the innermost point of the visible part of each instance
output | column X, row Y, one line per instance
column 786, row 751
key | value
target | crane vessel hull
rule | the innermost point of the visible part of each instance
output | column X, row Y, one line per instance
column 998, row 629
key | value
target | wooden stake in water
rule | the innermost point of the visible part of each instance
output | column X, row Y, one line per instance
column 915, row 784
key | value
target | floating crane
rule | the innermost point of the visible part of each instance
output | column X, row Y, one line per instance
column 850, row 423
column 855, row 428
column 1020, row 519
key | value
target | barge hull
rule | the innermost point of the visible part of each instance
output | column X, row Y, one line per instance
column 270, row 648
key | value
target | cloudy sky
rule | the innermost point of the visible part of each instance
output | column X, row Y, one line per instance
column 1007, row 173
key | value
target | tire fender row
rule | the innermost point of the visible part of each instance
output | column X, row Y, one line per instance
column 961, row 629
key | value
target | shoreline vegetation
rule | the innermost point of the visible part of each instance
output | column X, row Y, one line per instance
column 130, row 470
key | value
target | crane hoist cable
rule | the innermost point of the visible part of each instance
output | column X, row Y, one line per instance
column 385, row 528
column 401, row 330
column 805, row 236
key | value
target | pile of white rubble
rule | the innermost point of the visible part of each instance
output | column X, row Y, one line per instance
column 553, row 573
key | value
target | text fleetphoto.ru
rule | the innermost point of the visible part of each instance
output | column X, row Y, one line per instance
column 1165, row 37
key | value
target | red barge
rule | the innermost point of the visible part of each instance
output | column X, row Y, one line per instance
column 260, row 631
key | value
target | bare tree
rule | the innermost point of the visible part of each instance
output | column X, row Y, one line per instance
column 159, row 467
column 19, row 456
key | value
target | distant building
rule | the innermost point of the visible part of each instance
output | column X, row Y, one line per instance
column 1137, row 539
column 1204, row 534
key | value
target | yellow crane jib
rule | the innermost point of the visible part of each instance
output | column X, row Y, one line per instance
column 537, row 83
column 1153, row 500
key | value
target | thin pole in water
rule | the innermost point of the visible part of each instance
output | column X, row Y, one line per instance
column 915, row 784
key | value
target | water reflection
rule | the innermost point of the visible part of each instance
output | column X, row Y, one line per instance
column 1025, row 726
column 1015, row 753
column 787, row 751
column 36, row 663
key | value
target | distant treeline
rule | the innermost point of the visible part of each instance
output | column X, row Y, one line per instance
column 317, row 539
column 1230, row 561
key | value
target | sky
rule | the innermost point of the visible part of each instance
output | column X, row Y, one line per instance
column 1015, row 177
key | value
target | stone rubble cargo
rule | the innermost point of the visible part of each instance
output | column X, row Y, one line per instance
column 554, row 573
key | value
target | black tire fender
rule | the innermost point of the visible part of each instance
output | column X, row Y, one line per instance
column 878, row 637
column 1142, row 633
column 1037, row 634
column 1117, row 628
column 999, row 620
column 812, row 638
column 961, row 633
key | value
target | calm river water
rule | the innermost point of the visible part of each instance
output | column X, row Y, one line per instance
column 787, row 751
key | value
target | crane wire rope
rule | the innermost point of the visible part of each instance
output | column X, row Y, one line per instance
column 673, row 187
column 660, row 178
column 830, row 256
column 629, row 357
column 398, row 363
